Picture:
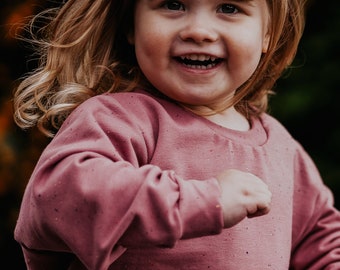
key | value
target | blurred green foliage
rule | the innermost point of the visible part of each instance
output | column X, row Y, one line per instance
column 307, row 103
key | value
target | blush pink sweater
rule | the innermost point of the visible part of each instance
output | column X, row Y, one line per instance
column 128, row 183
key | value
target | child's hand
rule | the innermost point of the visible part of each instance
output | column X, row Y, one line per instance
column 243, row 195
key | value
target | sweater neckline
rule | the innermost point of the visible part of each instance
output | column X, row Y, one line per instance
column 255, row 136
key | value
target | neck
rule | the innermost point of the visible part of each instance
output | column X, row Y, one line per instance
column 230, row 118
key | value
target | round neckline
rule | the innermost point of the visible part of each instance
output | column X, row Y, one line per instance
column 255, row 136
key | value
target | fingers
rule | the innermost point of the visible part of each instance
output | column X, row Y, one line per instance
column 242, row 195
column 261, row 205
column 259, row 212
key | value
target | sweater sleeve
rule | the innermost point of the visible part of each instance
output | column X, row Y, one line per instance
column 94, row 194
column 316, row 223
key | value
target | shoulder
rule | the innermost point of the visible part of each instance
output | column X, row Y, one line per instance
column 127, row 102
column 279, row 134
column 284, row 143
column 280, row 137
column 274, row 127
column 134, row 109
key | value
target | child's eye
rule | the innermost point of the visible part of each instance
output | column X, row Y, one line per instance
column 228, row 8
column 173, row 5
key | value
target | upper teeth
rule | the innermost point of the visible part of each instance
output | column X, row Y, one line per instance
column 199, row 57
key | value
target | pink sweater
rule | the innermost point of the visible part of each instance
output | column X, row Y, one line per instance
column 128, row 183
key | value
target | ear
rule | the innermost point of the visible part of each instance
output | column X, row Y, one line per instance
column 265, row 44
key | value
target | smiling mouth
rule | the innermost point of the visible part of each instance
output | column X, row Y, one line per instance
column 199, row 61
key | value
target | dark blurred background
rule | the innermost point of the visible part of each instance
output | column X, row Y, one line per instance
column 307, row 103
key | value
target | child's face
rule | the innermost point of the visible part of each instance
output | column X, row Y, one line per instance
column 199, row 52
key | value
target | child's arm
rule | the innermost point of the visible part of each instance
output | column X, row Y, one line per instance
column 93, row 192
column 316, row 223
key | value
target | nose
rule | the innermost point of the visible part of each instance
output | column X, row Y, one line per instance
column 198, row 29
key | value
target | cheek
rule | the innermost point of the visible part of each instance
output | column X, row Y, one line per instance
column 147, row 55
column 246, row 51
column 152, row 52
column 149, row 38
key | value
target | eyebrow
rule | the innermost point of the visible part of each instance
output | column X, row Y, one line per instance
column 243, row 1
column 249, row 2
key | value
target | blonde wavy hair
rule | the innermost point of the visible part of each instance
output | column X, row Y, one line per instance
column 84, row 51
